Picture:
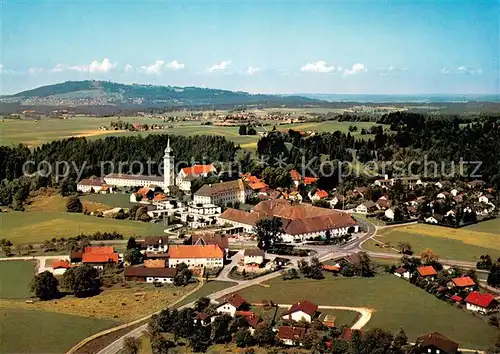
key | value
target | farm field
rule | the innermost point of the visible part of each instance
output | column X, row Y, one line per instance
column 208, row 288
column 120, row 304
column 31, row 331
column 491, row 226
column 36, row 133
column 112, row 200
column 35, row 227
column 15, row 279
column 396, row 302
column 461, row 244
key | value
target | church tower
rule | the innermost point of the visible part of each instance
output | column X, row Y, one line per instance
column 168, row 168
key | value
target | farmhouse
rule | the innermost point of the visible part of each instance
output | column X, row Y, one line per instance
column 231, row 304
column 482, row 303
column 156, row 244
column 210, row 238
column 150, row 275
column 304, row 310
column 402, row 273
column 93, row 185
column 254, row 257
column 435, row 343
column 462, row 283
column 223, row 193
column 209, row 256
column 98, row 257
column 60, row 266
column 427, row 272
column 366, row 207
column 299, row 221
column 290, row 335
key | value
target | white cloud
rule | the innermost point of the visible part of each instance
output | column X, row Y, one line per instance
column 355, row 69
column 445, row 71
column 128, row 68
column 223, row 65
column 1, row 68
column 467, row 70
column 253, row 70
column 175, row 65
column 159, row 66
column 154, row 69
column 95, row 67
column 35, row 71
column 318, row 67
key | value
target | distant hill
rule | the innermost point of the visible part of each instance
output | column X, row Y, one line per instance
column 90, row 92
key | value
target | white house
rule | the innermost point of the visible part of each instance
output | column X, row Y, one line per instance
column 301, row 311
column 209, row 256
column 290, row 335
column 188, row 174
column 254, row 257
column 402, row 273
column 485, row 198
column 482, row 303
column 150, row 275
column 60, row 266
column 230, row 304
column 93, row 185
column 223, row 193
column 389, row 213
column 366, row 207
column 203, row 213
column 156, row 244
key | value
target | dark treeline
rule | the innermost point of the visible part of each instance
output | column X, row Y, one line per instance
column 113, row 150
column 410, row 137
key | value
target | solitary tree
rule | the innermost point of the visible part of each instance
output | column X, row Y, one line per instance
column 44, row 286
column 74, row 205
column 82, row 280
column 268, row 231
column 428, row 256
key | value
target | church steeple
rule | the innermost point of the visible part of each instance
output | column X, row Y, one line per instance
column 168, row 168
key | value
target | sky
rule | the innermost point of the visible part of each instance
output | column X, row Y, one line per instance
column 377, row 47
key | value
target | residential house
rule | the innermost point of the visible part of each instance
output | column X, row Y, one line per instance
column 476, row 184
column 485, row 198
column 98, row 257
column 295, row 197
column 434, row 219
column 310, row 180
column 231, row 304
column 150, row 274
column 301, row 311
column 383, row 203
column 93, row 185
column 384, row 182
column 209, row 256
column 211, row 238
column 223, row 193
column 296, row 177
column 204, row 318
column 318, row 195
column 463, row 283
column 253, row 320
column 60, row 266
column 142, row 195
column 402, row 272
column 443, row 195
column 366, row 207
column 427, row 272
column 254, row 257
column 389, row 213
column 290, row 335
column 156, row 244
column 436, row 343
column 482, row 303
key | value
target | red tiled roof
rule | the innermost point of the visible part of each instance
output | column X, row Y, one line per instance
column 208, row 238
column 310, row 180
column 100, row 258
column 234, row 299
column 160, row 196
column 304, row 306
column 426, row 271
column 99, row 249
column 456, row 298
column 463, row 282
column 331, row 268
column 295, row 175
column 478, row 299
column 258, row 185
column 60, row 263
column 195, row 251
column 400, row 270
column 292, row 333
column 198, row 169
column 321, row 193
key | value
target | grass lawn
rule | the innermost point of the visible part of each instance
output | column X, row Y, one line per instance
column 396, row 302
column 31, row 331
column 37, row 133
column 208, row 288
column 15, row 279
column 461, row 244
column 113, row 199
column 35, row 227
column 491, row 226
column 120, row 304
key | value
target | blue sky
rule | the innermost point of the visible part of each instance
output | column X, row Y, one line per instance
column 405, row 46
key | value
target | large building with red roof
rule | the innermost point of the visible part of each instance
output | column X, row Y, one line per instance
column 301, row 311
column 209, row 256
column 299, row 221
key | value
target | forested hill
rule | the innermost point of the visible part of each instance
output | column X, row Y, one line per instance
column 90, row 92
